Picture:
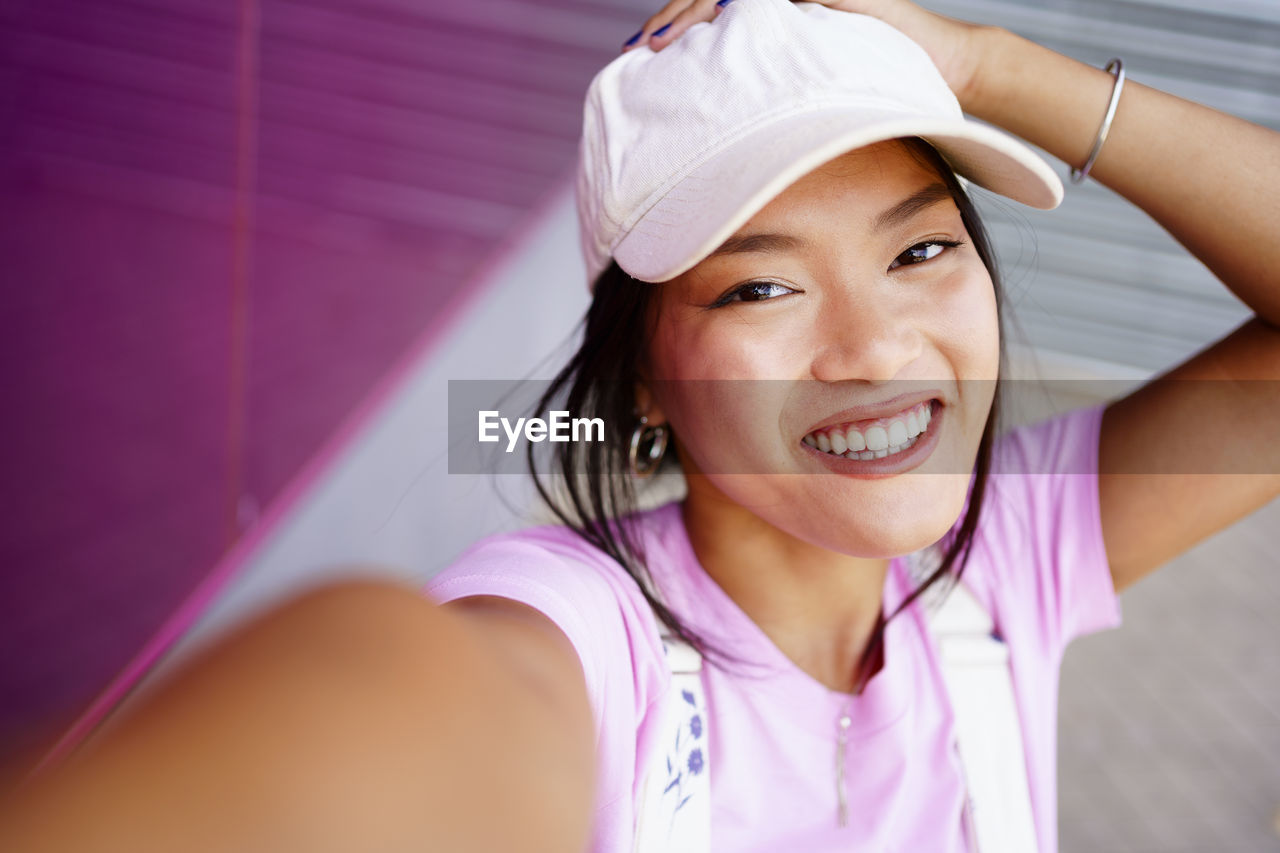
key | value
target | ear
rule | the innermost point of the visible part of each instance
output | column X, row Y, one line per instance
column 647, row 405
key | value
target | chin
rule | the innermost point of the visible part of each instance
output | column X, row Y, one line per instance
column 891, row 526
column 873, row 519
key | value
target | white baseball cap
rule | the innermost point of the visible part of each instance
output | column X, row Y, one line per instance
column 680, row 147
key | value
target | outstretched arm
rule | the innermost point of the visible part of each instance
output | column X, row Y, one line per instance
column 1213, row 181
column 357, row 718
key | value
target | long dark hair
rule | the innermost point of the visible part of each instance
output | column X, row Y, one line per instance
column 599, row 382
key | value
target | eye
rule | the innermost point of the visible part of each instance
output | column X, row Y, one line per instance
column 754, row 291
column 926, row 251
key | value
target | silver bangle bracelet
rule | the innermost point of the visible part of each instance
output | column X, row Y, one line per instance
column 1116, row 67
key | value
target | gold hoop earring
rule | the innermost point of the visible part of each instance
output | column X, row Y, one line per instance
column 656, row 437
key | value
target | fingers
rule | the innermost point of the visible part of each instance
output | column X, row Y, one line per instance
column 878, row 8
column 673, row 19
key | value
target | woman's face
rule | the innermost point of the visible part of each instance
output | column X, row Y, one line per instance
column 862, row 303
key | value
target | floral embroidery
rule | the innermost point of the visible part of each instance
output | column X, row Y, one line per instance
column 685, row 758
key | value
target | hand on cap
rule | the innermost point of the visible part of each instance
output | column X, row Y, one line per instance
column 672, row 20
column 949, row 42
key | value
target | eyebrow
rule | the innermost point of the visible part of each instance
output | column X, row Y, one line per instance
column 911, row 205
column 896, row 215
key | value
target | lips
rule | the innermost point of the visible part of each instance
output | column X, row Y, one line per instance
column 882, row 434
column 890, row 465
column 886, row 408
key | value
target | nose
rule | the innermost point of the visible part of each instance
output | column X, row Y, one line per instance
column 864, row 333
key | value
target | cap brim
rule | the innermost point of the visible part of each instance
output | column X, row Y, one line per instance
column 718, row 196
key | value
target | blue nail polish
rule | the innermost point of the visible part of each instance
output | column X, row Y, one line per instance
column 661, row 31
column 635, row 38
column 723, row 3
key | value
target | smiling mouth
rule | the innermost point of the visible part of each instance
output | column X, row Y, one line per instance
column 878, row 438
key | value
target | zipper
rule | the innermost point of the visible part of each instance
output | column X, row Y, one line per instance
column 842, row 740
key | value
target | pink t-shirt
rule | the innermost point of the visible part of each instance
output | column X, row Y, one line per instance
column 1038, row 564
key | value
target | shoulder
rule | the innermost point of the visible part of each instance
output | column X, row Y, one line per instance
column 599, row 608
column 551, row 564
column 1034, row 467
column 554, row 570
column 1065, row 443
column 1038, row 553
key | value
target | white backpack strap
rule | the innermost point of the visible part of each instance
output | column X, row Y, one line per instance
column 975, row 666
column 674, row 811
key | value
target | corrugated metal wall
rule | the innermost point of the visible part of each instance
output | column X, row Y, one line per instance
column 1097, row 277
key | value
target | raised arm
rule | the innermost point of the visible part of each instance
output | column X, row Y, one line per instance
column 356, row 718
column 1213, row 181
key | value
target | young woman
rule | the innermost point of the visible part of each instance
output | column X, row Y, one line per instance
column 760, row 338
column 769, row 342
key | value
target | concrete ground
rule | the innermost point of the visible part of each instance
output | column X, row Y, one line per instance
column 1169, row 731
column 1169, row 726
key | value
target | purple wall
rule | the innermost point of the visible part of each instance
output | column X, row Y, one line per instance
column 220, row 224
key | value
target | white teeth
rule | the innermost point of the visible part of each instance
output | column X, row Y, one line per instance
column 878, row 442
column 877, row 438
column 897, row 433
column 838, row 444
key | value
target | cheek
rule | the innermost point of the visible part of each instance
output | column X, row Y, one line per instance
column 716, row 391
column 718, row 349
column 728, row 426
column 969, row 328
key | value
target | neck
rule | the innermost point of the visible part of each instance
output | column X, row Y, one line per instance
column 819, row 607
